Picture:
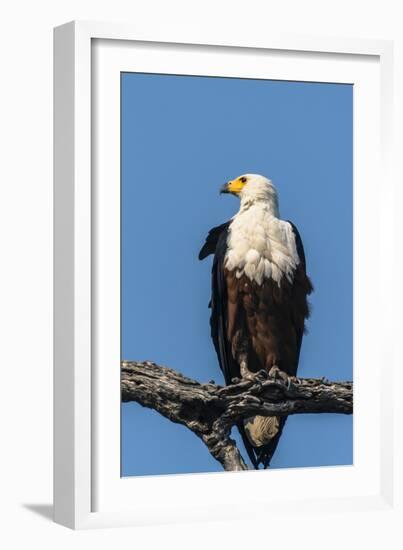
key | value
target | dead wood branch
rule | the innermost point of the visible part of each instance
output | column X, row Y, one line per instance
column 210, row 410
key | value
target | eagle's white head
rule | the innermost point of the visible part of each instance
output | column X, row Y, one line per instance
column 252, row 188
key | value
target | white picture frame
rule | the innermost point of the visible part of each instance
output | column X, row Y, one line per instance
column 88, row 491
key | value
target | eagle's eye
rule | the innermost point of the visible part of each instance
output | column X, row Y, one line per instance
column 243, row 180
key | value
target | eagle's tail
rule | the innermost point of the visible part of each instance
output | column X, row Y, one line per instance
column 261, row 435
column 249, row 448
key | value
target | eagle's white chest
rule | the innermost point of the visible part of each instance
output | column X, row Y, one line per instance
column 261, row 246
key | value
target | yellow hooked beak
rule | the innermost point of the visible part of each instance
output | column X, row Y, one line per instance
column 234, row 186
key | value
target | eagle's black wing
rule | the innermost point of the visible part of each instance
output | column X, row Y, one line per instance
column 214, row 234
column 216, row 243
column 301, row 278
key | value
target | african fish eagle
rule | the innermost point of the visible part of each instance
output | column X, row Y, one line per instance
column 259, row 299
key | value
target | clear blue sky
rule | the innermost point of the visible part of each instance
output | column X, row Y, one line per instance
column 182, row 138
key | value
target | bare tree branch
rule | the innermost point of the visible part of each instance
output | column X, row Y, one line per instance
column 210, row 410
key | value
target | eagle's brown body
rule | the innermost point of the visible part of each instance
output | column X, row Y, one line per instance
column 257, row 317
column 267, row 321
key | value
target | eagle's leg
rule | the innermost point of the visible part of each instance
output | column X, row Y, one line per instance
column 243, row 367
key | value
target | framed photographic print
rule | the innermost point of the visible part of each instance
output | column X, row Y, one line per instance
column 221, row 322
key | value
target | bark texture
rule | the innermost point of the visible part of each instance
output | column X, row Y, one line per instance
column 210, row 410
